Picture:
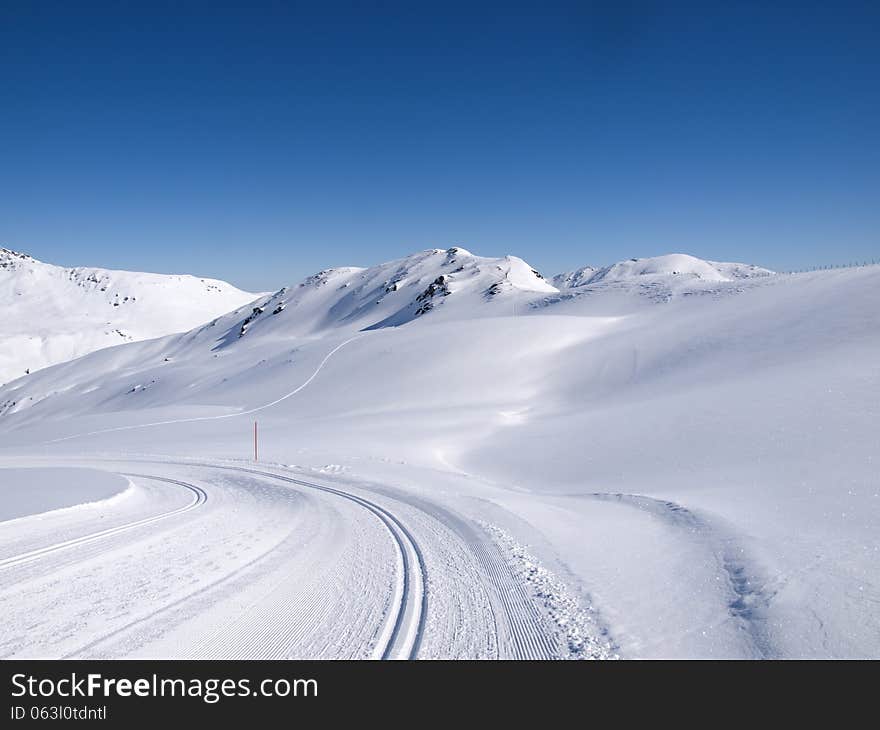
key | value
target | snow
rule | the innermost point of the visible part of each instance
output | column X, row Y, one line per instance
column 583, row 638
column 639, row 271
column 572, row 279
column 676, row 460
column 52, row 314
column 26, row 492
column 671, row 265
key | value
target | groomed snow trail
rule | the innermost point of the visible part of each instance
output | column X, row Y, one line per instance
column 404, row 625
column 200, row 497
column 474, row 593
column 529, row 638
column 260, row 564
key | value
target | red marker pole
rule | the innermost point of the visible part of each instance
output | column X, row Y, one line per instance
column 255, row 441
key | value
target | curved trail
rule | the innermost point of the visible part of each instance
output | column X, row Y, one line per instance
column 280, row 619
column 195, row 419
column 404, row 626
column 527, row 638
column 200, row 497
column 525, row 635
column 403, row 630
column 278, row 567
column 516, row 621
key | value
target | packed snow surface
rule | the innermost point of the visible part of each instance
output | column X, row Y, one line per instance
column 676, row 459
column 26, row 492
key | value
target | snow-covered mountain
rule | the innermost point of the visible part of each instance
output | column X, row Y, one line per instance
column 51, row 314
column 451, row 283
column 572, row 279
column 678, row 265
column 54, row 314
column 703, row 470
column 434, row 286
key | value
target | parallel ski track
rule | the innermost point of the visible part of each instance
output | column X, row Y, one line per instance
column 403, row 630
column 529, row 639
column 521, row 632
column 200, row 497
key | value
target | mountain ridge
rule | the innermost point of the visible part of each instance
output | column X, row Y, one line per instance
column 53, row 314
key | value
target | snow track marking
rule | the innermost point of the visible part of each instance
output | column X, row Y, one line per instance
column 196, row 419
column 199, row 499
column 81, row 652
column 529, row 639
column 524, row 627
column 275, row 604
column 749, row 597
column 517, row 624
column 402, row 631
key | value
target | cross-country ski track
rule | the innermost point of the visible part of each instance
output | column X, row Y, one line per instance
column 325, row 572
column 199, row 498
column 259, row 563
column 517, row 631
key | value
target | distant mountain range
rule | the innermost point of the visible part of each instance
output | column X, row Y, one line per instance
column 57, row 314
column 52, row 314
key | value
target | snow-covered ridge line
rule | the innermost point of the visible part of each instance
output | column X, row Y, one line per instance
column 449, row 284
column 676, row 264
column 9, row 258
column 53, row 313
column 56, row 314
column 435, row 285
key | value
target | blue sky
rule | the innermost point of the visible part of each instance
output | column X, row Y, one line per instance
column 261, row 141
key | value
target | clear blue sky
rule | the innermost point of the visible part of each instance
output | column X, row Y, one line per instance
column 261, row 141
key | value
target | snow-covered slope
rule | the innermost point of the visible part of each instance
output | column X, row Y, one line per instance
column 629, row 284
column 51, row 314
column 450, row 284
column 679, row 265
column 703, row 469
column 572, row 279
column 676, row 264
column 430, row 287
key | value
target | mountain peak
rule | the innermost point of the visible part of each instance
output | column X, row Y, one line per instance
column 679, row 266
column 9, row 258
column 53, row 313
column 450, row 283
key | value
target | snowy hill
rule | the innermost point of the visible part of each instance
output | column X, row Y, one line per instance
column 659, row 279
column 681, row 266
column 52, row 314
column 571, row 279
column 433, row 287
column 704, row 469
column 449, row 283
